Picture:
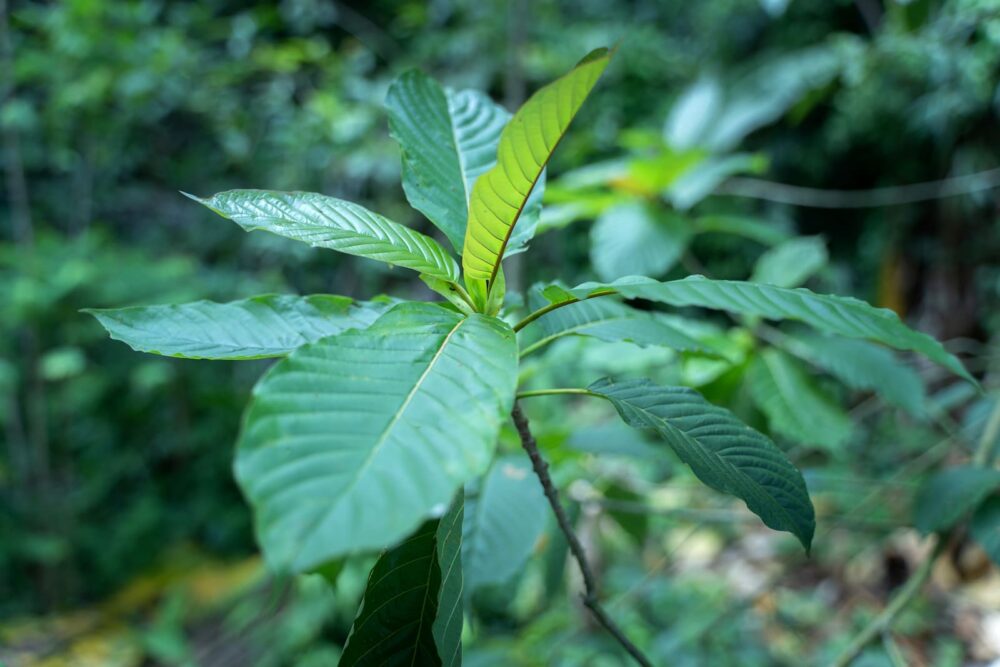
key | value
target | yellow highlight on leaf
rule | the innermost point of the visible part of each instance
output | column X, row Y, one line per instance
column 526, row 144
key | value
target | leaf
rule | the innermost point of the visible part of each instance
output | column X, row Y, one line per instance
column 841, row 315
column 503, row 522
column 630, row 238
column 326, row 222
column 862, row 365
column 724, row 453
column 448, row 139
column 791, row 263
column 611, row 321
column 702, row 179
column 354, row 440
column 756, row 230
column 411, row 613
column 261, row 326
column 794, row 406
column 525, row 147
column 985, row 527
column 951, row 494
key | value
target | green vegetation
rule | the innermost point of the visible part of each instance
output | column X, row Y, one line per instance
column 702, row 453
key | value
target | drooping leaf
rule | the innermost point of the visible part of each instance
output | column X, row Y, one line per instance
column 351, row 442
column 327, row 222
column 985, row 527
column 791, row 263
column 632, row 238
column 503, row 521
column 840, row 315
column 526, row 144
column 862, row 365
column 722, row 452
column 795, row 407
column 262, row 326
column 411, row 613
column 611, row 321
column 951, row 494
column 448, row 139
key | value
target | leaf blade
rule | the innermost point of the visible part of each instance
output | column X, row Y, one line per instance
column 840, row 315
column 347, row 447
column 400, row 620
column 724, row 453
column 527, row 142
column 263, row 326
column 328, row 222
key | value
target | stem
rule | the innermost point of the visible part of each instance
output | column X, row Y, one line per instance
column 555, row 392
column 884, row 621
column 553, row 306
column 590, row 600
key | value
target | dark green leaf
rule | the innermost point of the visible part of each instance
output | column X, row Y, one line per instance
column 985, row 527
column 411, row 613
column 723, row 452
column 951, row 494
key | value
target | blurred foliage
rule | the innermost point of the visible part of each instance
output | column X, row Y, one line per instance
column 113, row 465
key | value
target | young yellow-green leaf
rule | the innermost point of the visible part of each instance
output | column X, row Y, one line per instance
column 411, row 613
column 327, row 222
column 840, row 315
column 448, row 139
column 724, row 453
column 526, row 144
column 262, row 326
column 351, row 442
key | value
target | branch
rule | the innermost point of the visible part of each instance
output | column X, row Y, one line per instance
column 894, row 195
column 553, row 306
column 883, row 622
column 541, row 468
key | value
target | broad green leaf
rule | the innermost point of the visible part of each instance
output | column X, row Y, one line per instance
column 448, row 139
column 702, row 179
column 262, row 326
column 503, row 521
column 411, row 612
column 795, row 407
column 841, row 315
column 985, row 527
column 527, row 142
column 862, row 365
column 951, row 494
column 633, row 238
column 791, row 263
column 611, row 321
column 327, row 222
column 352, row 441
column 724, row 453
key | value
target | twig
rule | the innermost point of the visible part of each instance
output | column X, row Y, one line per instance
column 883, row 622
column 590, row 600
column 553, row 306
column 896, row 195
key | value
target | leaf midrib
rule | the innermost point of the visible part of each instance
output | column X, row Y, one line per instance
column 383, row 438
